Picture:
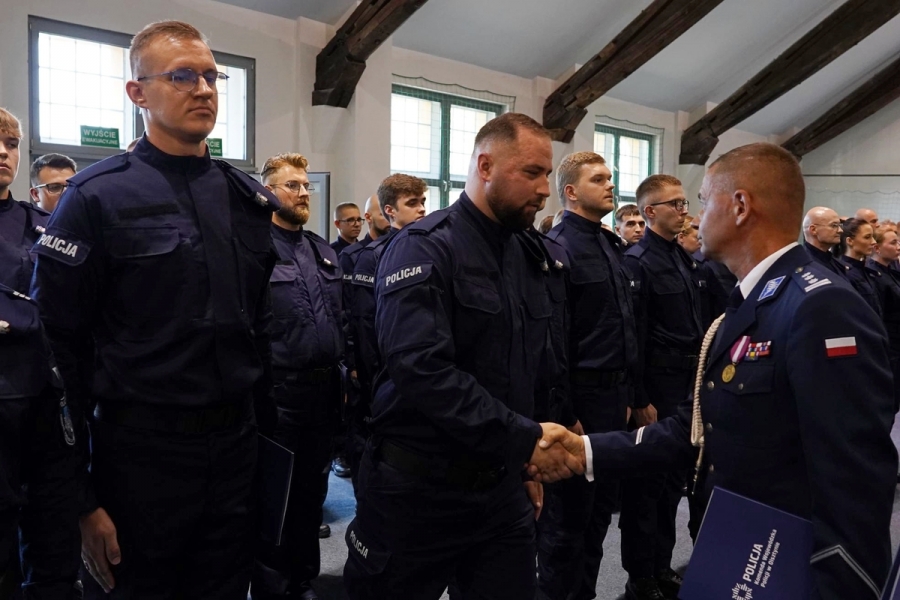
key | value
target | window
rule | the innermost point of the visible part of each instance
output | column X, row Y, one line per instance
column 630, row 156
column 432, row 136
column 78, row 77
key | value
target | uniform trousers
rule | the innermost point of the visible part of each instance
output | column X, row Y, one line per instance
column 412, row 537
column 577, row 513
column 650, row 503
column 307, row 419
column 184, row 510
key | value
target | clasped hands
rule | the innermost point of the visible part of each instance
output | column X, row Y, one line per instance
column 559, row 454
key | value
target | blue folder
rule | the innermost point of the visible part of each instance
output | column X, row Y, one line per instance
column 747, row 550
column 275, row 469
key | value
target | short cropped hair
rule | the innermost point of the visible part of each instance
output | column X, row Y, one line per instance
column 53, row 161
column 653, row 184
column 399, row 184
column 625, row 211
column 340, row 208
column 287, row 159
column 781, row 167
column 178, row 30
column 505, row 128
column 9, row 124
column 569, row 169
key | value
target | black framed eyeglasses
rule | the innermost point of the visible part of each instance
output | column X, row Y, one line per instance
column 186, row 80
column 53, row 188
column 678, row 205
column 293, row 186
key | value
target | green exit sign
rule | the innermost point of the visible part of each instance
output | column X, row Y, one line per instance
column 215, row 146
column 104, row 137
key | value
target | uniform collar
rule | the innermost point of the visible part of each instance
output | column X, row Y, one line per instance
column 581, row 223
column 749, row 282
column 654, row 238
column 152, row 155
column 7, row 204
column 494, row 230
column 288, row 234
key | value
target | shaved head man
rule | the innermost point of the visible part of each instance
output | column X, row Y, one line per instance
column 868, row 215
column 787, row 426
column 822, row 232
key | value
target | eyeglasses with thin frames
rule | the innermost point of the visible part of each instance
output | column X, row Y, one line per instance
column 185, row 80
column 53, row 188
column 293, row 186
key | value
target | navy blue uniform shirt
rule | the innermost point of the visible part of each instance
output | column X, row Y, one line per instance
column 339, row 244
column 827, row 259
column 604, row 333
column 152, row 279
column 21, row 224
column 306, row 302
column 463, row 314
column 347, row 260
column 362, row 308
column 803, row 426
column 863, row 277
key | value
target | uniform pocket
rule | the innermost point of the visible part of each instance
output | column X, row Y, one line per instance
column 476, row 295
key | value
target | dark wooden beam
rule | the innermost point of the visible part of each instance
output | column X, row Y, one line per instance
column 656, row 27
column 864, row 102
column 341, row 63
column 840, row 31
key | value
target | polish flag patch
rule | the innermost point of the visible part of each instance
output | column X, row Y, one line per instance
column 845, row 346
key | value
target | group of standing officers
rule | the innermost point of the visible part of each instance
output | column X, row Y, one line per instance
column 173, row 307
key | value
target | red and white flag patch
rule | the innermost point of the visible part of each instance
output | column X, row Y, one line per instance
column 845, row 346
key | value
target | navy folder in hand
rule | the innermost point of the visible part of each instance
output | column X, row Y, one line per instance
column 747, row 550
column 276, row 466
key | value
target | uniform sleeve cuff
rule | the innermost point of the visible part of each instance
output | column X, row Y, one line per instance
column 588, row 458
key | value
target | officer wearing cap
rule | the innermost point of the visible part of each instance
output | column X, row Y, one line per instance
column 778, row 413
column 669, row 335
column 402, row 200
column 36, row 445
column 604, row 357
column 152, row 280
column 307, row 345
column 462, row 322
column 358, row 397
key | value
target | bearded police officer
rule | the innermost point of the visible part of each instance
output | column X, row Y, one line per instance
column 462, row 323
column 152, row 280
column 781, row 419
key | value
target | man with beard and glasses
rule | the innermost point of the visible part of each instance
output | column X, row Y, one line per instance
column 358, row 399
column 307, row 345
column 463, row 321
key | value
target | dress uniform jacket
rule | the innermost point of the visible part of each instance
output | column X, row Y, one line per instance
column 827, row 259
column 803, row 426
column 863, row 278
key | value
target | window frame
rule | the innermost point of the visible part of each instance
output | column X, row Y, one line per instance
column 86, row 155
column 618, row 133
column 445, row 182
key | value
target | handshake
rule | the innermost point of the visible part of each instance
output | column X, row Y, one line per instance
column 559, row 454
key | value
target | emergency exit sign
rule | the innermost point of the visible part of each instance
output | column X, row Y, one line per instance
column 215, row 146
column 103, row 137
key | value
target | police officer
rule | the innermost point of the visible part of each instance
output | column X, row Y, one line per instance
column 782, row 422
column 402, row 199
column 630, row 224
column 32, row 407
column 358, row 399
column 857, row 244
column 887, row 251
column 821, row 233
column 463, row 315
column 307, row 346
column 604, row 356
column 669, row 335
column 152, row 280
column 48, row 175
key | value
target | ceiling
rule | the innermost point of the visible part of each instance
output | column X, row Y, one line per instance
column 708, row 63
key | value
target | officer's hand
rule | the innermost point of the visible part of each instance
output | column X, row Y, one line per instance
column 535, row 493
column 644, row 416
column 99, row 547
column 559, row 454
column 577, row 428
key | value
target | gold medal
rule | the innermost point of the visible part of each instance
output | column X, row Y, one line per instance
column 728, row 373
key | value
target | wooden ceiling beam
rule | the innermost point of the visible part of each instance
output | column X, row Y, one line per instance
column 865, row 101
column 841, row 30
column 656, row 27
column 342, row 61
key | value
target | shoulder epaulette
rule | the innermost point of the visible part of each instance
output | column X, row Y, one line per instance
column 315, row 237
column 811, row 276
column 35, row 208
column 636, row 250
column 247, row 186
column 428, row 222
column 118, row 162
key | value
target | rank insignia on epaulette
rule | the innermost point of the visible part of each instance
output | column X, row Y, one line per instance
column 757, row 350
column 261, row 199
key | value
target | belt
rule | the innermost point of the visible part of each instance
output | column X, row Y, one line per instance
column 674, row 361
column 316, row 376
column 174, row 419
column 603, row 379
column 466, row 477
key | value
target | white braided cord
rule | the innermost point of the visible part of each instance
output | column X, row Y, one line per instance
column 697, row 438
